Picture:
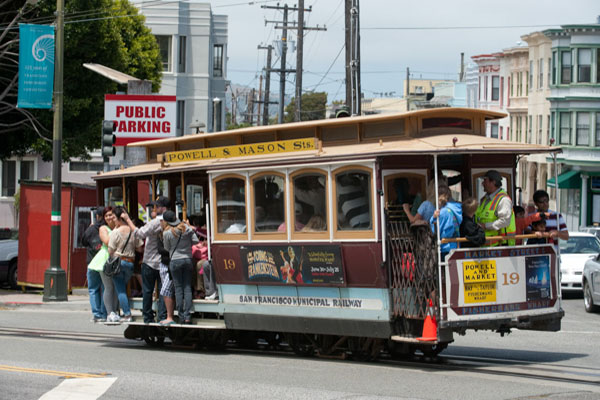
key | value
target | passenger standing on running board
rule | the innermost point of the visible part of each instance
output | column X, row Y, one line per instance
column 151, row 261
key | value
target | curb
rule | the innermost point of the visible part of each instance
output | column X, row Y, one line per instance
column 14, row 300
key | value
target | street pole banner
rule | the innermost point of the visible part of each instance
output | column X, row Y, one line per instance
column 141, row 117
column 36, row 66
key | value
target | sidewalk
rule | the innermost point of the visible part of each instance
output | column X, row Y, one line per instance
column 77, row 301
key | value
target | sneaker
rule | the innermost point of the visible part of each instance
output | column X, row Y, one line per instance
column 126, row 318
column 98, row 319
column 213, row 296
column 113, row 318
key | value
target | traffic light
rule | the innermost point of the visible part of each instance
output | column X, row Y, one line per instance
column 108, row 138
column 342, row 112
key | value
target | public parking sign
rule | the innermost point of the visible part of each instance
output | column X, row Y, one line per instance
column 141, row 117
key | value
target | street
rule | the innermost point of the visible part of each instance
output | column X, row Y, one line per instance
column 41, row 347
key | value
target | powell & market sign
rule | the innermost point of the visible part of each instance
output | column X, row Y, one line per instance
column 242, row 150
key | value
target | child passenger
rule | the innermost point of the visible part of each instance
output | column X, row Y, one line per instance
column 538, row 226
column 468, row 228
column 448, row 218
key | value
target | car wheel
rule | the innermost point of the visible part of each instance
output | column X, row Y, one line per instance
column 12, row 275
column 588, row 301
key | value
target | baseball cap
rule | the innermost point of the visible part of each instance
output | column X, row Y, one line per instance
column 162, row 201
column 495, row 176
column 170, row 218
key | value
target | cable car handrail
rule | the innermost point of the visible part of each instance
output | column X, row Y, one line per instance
column 492, row 238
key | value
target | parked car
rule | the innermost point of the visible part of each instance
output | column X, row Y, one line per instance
column 591, row 285
column 595, row 230
column 9, row 251
column 574, row 253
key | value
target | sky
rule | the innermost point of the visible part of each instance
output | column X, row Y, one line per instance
column 386, row 53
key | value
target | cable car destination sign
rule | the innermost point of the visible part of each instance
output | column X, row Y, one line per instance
column 242, row 150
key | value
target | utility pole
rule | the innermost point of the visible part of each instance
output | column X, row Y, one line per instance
column 348, row 51
column 462, row 67
column 55, row 278
column 259, row 97
column 282, row 71
column 299, row 48
column 233, row 106
column 407, row 87
column 250, row 107
column 267, row 98
column 284, row 47
column 355, row 57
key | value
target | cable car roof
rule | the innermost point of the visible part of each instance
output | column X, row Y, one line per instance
column 426, row 145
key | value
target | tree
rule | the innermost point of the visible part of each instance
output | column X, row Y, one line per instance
column 313, row 107
column 13, row 121
column 107, row 32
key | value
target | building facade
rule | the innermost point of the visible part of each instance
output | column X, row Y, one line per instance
column 492, row 93
column 536, row 169
column 575, row 119
column 193, row 48
column 472, row 85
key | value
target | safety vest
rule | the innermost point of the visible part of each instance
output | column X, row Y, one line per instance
column 486, row 213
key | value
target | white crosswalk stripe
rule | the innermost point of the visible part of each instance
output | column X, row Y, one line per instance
column 79, row 389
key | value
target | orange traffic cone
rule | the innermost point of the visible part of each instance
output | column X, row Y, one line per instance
column 429, row 326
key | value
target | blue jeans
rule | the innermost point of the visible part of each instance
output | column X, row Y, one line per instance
column 181, row 271
column 120, row 281
column 95, row 288
column 149, row 278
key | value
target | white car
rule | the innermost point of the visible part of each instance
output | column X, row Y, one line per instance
column 574, row 253
column 591, row 229
column 591, row 285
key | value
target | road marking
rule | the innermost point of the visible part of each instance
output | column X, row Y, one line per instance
column 79, row 389
column 51, row 372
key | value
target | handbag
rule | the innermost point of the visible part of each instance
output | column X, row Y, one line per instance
column 112, row 266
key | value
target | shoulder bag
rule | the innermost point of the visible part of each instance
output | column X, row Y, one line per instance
column 112, row 266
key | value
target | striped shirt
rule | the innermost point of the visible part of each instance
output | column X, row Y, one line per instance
column 551, row 225
column 551, row 222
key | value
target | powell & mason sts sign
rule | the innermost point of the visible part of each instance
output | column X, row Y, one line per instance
column 242, row 150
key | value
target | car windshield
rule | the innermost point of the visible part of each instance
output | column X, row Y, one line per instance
column 580, row 245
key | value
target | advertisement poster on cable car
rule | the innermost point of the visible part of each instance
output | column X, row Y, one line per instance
column 487, row 282
column 293, row 264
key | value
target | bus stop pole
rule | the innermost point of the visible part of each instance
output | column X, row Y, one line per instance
column 55, row 278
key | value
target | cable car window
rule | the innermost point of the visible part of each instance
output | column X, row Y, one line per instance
column 231, row 205
column 458, row 123
column 310, row 211
column 113, row 196
column 269, row 200
column 194, row 196
column 353, row 199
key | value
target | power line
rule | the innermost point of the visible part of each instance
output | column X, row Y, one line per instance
column 434, row 28
column 247, row 3
column 334, row 60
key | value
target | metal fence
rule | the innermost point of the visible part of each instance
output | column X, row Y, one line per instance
column 413, row 266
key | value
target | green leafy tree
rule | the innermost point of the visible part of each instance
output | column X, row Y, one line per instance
column 107, row 32
column 313, row 107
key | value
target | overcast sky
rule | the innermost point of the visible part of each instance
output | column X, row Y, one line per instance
column 385, row 53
